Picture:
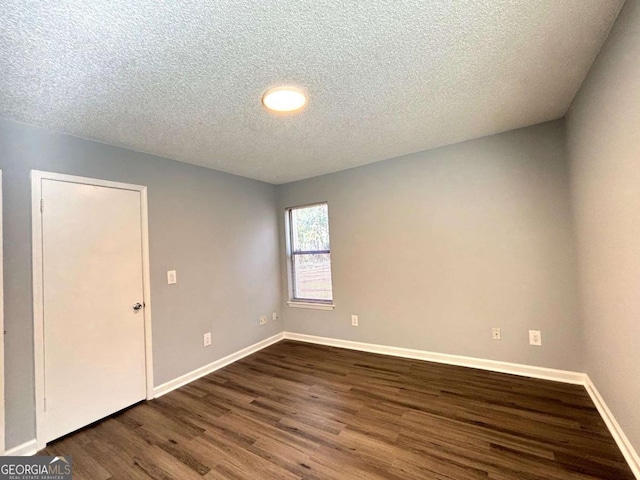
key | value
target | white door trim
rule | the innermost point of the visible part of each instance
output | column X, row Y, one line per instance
column 38, row 297
column 2, row 417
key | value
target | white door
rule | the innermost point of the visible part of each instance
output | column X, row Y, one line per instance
column 92, row 270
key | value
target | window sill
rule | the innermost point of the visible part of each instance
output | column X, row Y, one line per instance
column 314, row 306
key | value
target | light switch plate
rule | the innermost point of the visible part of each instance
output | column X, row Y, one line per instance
column 172, row 277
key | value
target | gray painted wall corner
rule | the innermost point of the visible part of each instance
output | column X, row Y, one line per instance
column 433, row 249
column 217, row 230
column 604, row 153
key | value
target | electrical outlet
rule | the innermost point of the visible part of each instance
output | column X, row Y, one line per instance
column 172, row 277
column 274, row 316
column 354, row 320
column 207, row 339
column 535, row 338
column 263, row 319
column 496, row 334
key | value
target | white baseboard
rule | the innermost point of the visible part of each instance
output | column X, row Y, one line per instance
column 565, row 376
column 492, row 365
column 630, row 455
column 212, row 367
column 24, row 450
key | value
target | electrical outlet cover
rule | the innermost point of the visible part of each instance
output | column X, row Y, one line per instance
column 496, row 334
column 535, row 338
column 263, row 319
column 354, row 320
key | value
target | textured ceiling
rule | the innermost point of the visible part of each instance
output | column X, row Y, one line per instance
column 384, row 77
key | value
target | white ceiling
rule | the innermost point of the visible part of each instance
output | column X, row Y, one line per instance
column 384, row 77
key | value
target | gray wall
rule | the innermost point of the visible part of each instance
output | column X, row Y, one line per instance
column 432, row 250
column 603, row 131
column 218, row 231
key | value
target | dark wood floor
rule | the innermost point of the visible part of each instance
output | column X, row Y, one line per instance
column 296, row 411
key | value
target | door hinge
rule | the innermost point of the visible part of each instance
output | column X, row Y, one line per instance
column 41, row 205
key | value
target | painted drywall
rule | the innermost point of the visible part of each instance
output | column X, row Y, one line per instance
column 434, row 249
column 2, row 449
column 183, row 79
column 603, row 125
column 217, row 230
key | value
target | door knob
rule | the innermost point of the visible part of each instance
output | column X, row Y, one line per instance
column 137, row 306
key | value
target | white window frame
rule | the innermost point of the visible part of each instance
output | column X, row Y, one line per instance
column 317, row 304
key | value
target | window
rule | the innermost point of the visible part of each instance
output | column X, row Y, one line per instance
column 309, row 254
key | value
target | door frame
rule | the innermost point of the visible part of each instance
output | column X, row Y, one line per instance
column 2, row 362
column 38, row 288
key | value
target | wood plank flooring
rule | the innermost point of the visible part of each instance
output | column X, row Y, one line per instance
column 301, row 411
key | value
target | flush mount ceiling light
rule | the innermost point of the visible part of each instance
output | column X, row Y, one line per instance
column 284, row 99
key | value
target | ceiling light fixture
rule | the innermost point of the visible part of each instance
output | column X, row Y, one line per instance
column 284, row 99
